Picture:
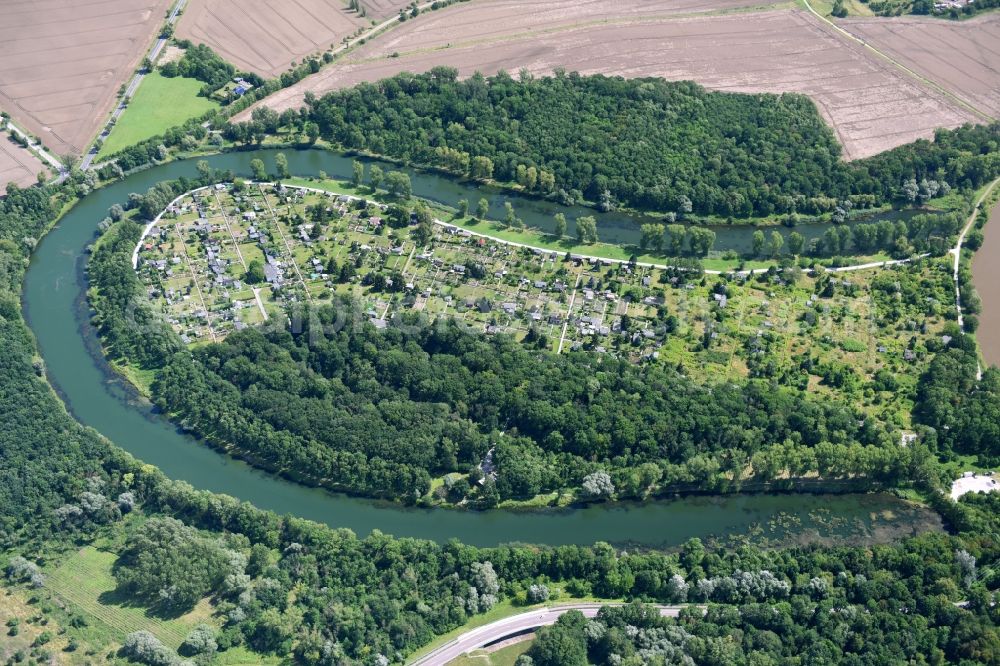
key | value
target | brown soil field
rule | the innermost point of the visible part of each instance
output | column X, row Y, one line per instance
column 489, row 20
column 963, row 57
column 870, row 103
column 62, row 62
column 383, row 9
column 17, row 165
column 263, row 36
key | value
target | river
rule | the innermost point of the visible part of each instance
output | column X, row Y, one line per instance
column 56, row 309
column 986, row 278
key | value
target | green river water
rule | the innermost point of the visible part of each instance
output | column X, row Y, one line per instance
column 56, row 310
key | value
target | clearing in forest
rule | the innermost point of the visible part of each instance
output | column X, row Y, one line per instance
column 85, row 581
column 159, row 104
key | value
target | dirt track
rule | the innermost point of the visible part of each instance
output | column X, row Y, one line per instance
column 263, row 36
column 870, row 103
column 963, row 57
column 17, row 165
column 62, row 62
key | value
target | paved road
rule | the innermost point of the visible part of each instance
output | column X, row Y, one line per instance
column 512, row 626
column 132, row 87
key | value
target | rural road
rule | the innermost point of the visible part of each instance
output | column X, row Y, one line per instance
column 885, row 56
column 511, row 626
column 956, row 251
column 35, row 147
column 132, row 87
column 839, row 269
column 586, row 257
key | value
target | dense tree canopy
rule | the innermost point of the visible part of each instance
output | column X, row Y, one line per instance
column 643, row 142
column 381, row 412
column 321, row 596
column 963, row 410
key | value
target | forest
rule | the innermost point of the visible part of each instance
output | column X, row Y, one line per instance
column 382, row 412
column 295, row 589
column 926, row 7
column 202, row 63
column 963, row 411
column 331, row 400
column 645, row 143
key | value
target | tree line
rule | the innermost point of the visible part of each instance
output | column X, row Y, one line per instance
column 383, row 412
column 645, row 143
column 303, row 591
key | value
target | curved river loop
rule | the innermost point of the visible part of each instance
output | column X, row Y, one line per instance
column 56, row 309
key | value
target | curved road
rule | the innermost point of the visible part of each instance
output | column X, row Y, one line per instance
column 512, row 626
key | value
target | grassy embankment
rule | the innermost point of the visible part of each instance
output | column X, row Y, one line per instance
column 159, row 104
column 502, row 610
column 539, row 239
column 505, row 656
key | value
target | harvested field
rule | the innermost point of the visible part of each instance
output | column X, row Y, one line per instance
column 383, row 9
column 871, row 104
column 63, row 61
column 493, row 20
column 962, row 57
column 265, row 37
column 17, row 165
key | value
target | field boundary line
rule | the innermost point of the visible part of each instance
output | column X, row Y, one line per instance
column 888, row 58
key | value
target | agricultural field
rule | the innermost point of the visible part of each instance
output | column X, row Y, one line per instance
column 871, row 104
column 265, row 37
column 17, row 164
column 963, row 57
column 84, row 581
column 63, row 62
column 159, row 104
column 833, row 331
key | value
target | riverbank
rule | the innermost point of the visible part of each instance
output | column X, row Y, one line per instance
column 323, row 288
column 986, row 279
column 57, row 312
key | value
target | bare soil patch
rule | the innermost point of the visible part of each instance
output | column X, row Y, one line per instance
column 265, row 37
column 17, row 165
column 63, row 61
column 962, row 57
column 870, row 103
column 170, row 53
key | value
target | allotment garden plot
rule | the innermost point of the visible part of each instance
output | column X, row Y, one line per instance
column 222, row 259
